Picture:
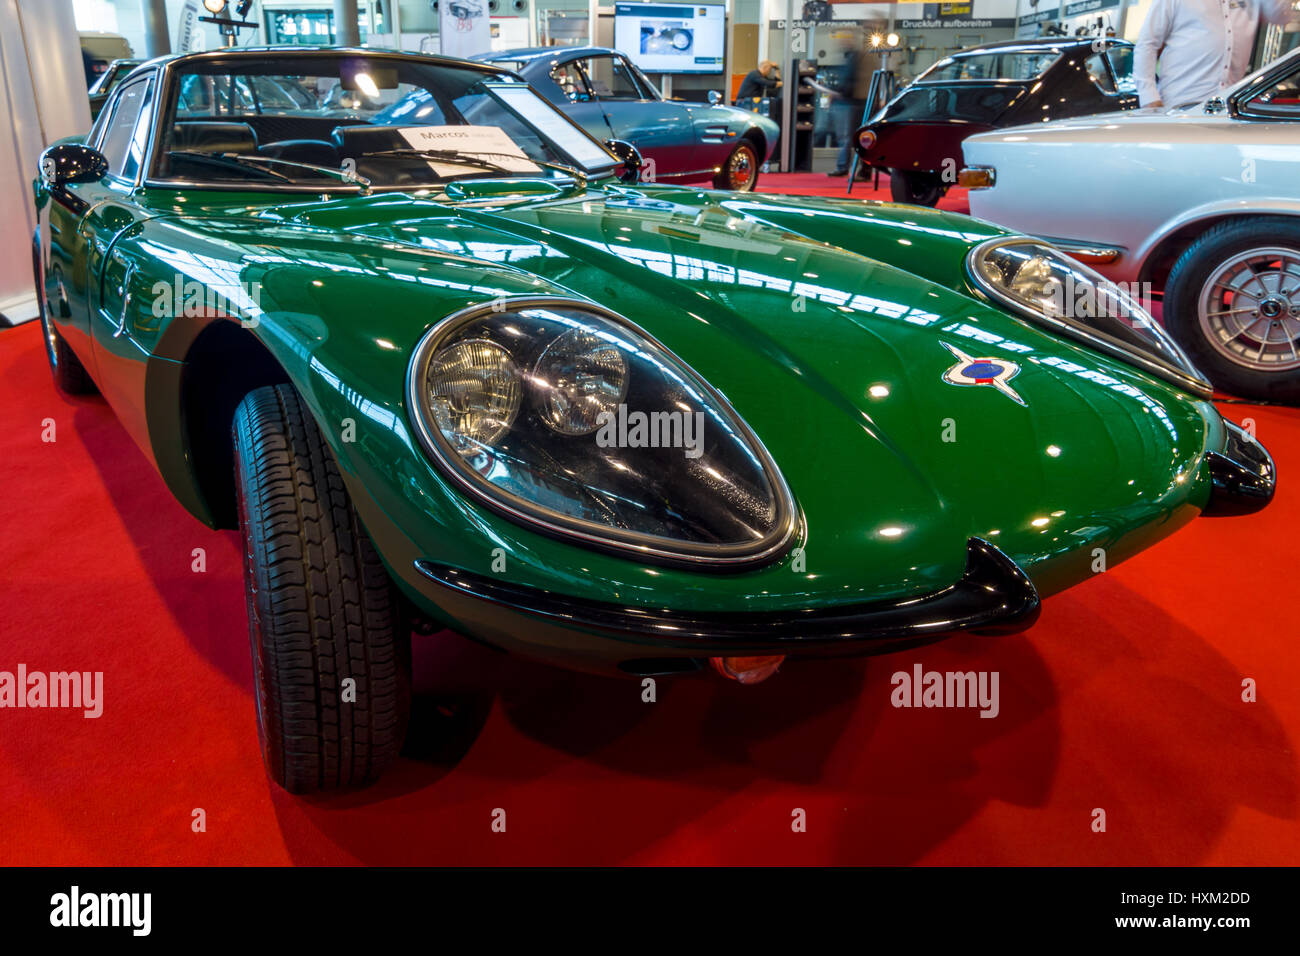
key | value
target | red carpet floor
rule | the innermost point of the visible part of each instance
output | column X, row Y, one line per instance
column 1125, row 697
column 819, row 184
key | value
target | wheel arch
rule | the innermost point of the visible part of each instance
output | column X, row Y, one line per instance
column 191, row 405
column 1157, row 261
column 757, row 137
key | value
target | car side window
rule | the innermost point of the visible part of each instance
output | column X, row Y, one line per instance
column 570, row 79
column 139, row 137
column 120, row 135
column 610, row 79
column 1121, row 64
column 1095, row 65
column 1280, row 100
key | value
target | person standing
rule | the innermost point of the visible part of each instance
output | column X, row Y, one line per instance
column 758, row 83
column 849, row 96
column 1203, row 46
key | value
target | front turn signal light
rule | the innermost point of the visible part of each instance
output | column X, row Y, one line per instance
column 866, row 139
column 978, row 177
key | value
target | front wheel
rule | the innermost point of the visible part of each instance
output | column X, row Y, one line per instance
column 1233, row 303
column 740, row 171
column 916, row 188
column 331, row 650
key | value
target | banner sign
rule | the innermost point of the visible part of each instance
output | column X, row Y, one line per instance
column 464, row 28
column 953, row 16
column 189, row 35
column 957, row 23
column 1041, row 16
column 1088, row 6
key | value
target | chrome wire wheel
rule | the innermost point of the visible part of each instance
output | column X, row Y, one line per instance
column 1249, row 309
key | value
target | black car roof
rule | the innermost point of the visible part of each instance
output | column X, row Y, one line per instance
column 305, row 51
column 1034, row 44
column 536, row 52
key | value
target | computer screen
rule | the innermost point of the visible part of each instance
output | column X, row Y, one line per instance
column 672, row 38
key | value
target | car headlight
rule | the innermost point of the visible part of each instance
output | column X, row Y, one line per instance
column 567, row 418
column 1047, row 286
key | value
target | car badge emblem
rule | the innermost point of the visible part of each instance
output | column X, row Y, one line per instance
column 996, row 372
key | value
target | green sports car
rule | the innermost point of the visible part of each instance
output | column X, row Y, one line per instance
column 446, row 363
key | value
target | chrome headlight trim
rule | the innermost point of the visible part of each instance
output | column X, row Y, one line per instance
column 628, row 544
column 1196, row 383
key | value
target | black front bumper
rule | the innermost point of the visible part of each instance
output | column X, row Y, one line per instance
column 993, row 596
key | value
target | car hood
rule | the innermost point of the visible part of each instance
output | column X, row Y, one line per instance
column 829, row 326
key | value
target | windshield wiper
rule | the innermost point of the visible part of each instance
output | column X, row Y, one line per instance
column 260, row 163
column 453, row 156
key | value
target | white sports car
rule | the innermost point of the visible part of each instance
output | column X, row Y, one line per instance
column 1201, row 202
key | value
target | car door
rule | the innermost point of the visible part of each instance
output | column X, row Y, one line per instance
column 118, row 293
column 662, row 130
column 72, row 231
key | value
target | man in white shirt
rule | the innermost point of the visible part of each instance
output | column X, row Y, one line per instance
column 1203, row 46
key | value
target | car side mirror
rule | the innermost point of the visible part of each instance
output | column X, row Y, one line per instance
column 631, row 157
column 69, row 163
column 714, row 97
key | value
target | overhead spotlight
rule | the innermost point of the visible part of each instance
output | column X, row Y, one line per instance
column 242, row 10
column 891, row 40
column 876, row 39
column 214, row 6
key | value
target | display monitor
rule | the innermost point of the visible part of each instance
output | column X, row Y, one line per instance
column 672, row 37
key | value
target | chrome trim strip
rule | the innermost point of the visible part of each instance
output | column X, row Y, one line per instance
column 575, row 530
column 1086, row 251
column 1099, row 340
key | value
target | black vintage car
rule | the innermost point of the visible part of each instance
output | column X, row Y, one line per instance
column 917, row 136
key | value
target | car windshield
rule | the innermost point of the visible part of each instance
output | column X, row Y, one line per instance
column 1021, row 65
column 324, row 120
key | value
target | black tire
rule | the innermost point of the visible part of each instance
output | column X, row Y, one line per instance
column 1190, row 278
column 916, row 188
column 740, row 171
column 321, row 607
column 70, row 375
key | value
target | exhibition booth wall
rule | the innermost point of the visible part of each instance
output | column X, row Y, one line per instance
column 43, row 100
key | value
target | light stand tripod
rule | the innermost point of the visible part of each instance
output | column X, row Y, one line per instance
column 884, row 86
column 229, row 27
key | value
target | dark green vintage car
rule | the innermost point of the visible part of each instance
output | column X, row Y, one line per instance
column 444, row 365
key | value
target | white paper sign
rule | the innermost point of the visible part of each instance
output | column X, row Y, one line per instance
column 490, row 142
